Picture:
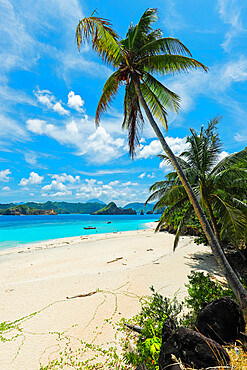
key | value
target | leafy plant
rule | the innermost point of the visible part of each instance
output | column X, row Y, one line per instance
column 155, row 309
column 201, row 290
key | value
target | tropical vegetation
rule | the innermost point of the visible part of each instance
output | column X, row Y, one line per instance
column 221, row 186
column 143, row 53
column 156, row 308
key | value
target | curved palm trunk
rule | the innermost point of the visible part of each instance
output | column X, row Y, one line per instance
column 238, row 289
column 213, row 221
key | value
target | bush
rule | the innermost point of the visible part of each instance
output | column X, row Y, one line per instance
column 155, row 309
column 201, row 290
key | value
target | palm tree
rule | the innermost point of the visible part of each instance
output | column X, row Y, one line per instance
column 220, row 186
column 136, row 58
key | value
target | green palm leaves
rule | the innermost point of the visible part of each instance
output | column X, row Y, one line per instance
column 221, row 187
column 142, row 53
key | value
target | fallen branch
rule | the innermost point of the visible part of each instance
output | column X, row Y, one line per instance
column 116, row 259
column 82, row 295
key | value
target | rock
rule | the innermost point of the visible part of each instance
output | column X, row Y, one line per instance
column 221, row 320
column 168, row 329
column 194, row 350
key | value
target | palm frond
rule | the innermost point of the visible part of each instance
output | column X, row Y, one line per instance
column 232, row 160
column 137, row 35
column 154, row 104
column 166, row 97
column 181, row 226
column 167, row 45
column 109, row 91
column 164, row 64
column 104, row 38
column 233, row 221
column 133, row 118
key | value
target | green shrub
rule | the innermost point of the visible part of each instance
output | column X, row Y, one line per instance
column 202, row 289
column 155, row 309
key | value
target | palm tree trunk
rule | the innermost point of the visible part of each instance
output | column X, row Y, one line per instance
column 213, row 221
column 238, row 289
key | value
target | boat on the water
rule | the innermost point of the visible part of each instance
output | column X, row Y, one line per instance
column 109, row 222
column 89, row 228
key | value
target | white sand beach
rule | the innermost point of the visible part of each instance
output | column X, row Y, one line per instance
column 122, row 266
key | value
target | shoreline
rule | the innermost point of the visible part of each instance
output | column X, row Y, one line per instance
column 59, row 242
column 120, row 267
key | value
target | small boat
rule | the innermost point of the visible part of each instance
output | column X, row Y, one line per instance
column 109, row 222
column 89, row 228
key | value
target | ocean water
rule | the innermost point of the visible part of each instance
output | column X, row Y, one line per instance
column 18, row 230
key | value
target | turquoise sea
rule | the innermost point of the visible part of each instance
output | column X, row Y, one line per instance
column 18, row 230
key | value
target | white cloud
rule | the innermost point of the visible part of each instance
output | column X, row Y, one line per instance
column 142, row 175
column 151, row 175
column 37, row 126
column 57, row 107
column 4, row 175
column 239, row 137
column 222, row 155
column 129, row 183
column 97, row 144
column 57, row 194
column 177, row 145
column 215, row 85
column 31, row 158
column 46, row 98
column 55, row 186
column 75, row 102
column 34, row 179
column 116, row 191
column 150, row 150
column 6, row 188
column 11, row 131
column 64, row 177
column 230, row 13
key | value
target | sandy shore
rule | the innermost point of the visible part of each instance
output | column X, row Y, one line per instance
column 122, row 266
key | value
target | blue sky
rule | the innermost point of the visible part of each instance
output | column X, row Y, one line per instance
column 50, row 148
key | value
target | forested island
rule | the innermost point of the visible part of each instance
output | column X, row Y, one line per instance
column 25, row 210
column 112, row 209
column 89, row 207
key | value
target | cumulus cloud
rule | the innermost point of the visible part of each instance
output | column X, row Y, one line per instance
column 37, row 126
column 117, row 191
column 34, row 179
column 57, row 107
column 98, row 145
column 55, row 186
column 46, row 98
column 6, row 188
column 57, row 194
column 64, row 177
column 177, row 145
column 75, row 102
column 4, row 175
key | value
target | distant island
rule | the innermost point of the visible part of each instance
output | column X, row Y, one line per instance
column 112, row 209
column 21, row 210
column 89, row 207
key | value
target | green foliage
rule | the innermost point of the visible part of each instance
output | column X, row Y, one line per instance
column 221, row 187
column 201, row 290
column 155, row 309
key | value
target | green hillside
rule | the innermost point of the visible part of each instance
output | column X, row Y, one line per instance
column 112, row 209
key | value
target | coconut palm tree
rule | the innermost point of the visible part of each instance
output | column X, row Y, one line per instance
column 220, row 186
column 136, row 58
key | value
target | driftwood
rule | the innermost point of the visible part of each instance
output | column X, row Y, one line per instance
column 116, row 259
column 83, row 295
column 135, row 328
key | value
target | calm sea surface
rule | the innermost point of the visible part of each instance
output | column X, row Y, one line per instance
column 18, row 230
